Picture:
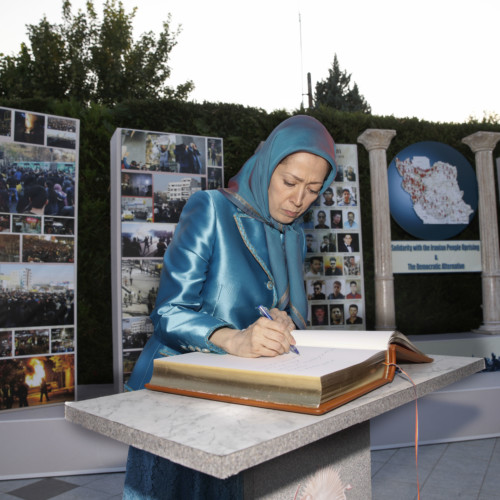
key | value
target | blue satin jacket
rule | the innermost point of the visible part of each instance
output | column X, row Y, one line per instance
column 216, row 272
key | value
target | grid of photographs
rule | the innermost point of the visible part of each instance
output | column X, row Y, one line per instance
column 38, row 189
column 333, row 267
column 153, row 175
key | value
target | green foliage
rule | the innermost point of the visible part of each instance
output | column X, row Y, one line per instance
column 335, row 91
column 488, row 118
column 94, row 258
column 92, row 60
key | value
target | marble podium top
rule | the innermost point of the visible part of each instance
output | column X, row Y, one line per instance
column 222, row 439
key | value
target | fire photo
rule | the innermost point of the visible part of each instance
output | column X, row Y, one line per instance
column 34, row 381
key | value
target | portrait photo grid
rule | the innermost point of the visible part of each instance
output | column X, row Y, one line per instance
column 153, row 175
column 333, row 267
column 38, row 248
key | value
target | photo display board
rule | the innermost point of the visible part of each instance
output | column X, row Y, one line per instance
column 333, row 267
column 38, row 249
column 152, row 176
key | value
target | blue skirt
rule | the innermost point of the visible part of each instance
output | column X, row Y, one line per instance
column 153, row 478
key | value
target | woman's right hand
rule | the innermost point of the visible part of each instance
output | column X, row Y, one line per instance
column 265, row 337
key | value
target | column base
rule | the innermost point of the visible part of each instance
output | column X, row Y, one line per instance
column 492, row 328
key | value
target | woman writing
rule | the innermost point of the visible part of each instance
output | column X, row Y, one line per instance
column 233, row 250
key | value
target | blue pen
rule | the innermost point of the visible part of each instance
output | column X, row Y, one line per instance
column 264, row 311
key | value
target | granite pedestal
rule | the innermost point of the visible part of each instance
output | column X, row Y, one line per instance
column 276, row 451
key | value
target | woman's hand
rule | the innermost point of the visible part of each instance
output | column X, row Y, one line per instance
column 283, row 318
column 265, row 337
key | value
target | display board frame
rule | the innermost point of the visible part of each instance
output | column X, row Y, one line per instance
column 152, row 176
column 38, row 258
column 333, row 272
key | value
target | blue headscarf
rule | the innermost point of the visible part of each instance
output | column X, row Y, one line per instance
column 248, row 190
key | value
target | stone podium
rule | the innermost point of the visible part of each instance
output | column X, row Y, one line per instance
column 275, row 451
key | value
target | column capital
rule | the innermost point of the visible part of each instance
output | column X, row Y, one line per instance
column 375, row 138
column 482, row 141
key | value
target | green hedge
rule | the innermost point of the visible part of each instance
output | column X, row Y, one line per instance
column 439, row 303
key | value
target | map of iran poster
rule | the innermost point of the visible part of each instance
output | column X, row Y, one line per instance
column 432, row 190
column 433, row 196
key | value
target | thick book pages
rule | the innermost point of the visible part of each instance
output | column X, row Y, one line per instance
column 333, row 367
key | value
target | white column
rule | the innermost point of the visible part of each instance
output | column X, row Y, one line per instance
column 482, row 144
column 376, row 143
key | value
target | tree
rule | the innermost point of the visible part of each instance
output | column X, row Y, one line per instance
column 90, row 59
column 335, row 91
column 489, row 118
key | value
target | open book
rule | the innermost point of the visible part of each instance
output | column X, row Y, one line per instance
column 333, row 367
